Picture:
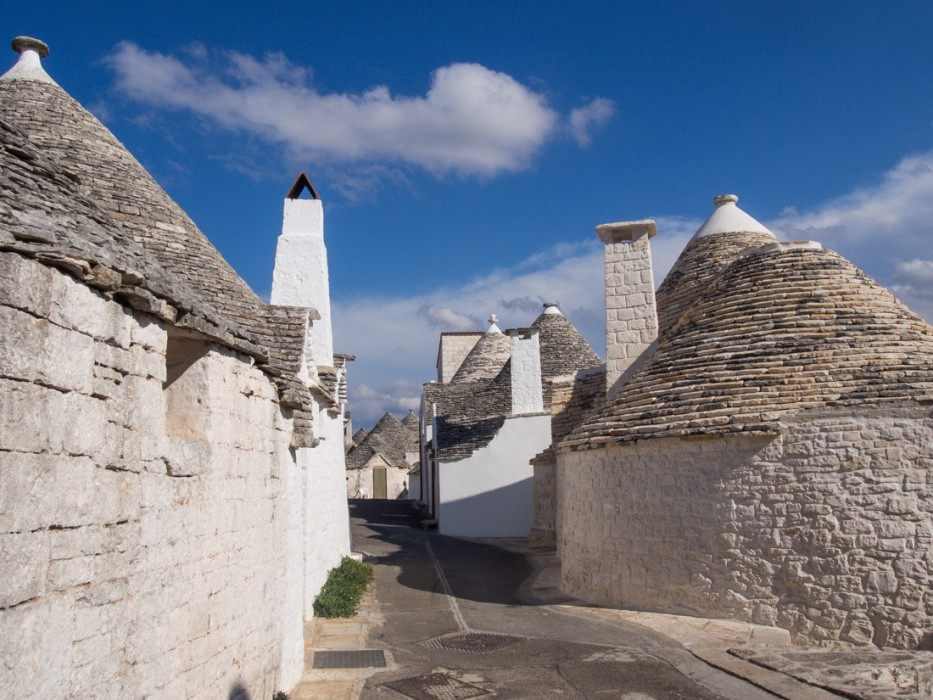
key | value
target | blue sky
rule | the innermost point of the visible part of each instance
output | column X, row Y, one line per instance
column 465, row 152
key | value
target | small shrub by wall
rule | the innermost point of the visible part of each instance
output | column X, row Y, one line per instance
column 344, row 589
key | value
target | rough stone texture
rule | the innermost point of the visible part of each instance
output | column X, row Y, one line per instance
column 861, row 674
column 782, row 330
column 150, row 554
column 825, row 529
column 697, row 267
column 452, row 350
column 631, row 317
column 388, row 437
column 564, row 350
column 571, row 399
column 411, row 441
column 485, row 360
column 75, row 199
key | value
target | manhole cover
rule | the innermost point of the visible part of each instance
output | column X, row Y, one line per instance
column 356, row 658
column 473, row 642
column 436, row 686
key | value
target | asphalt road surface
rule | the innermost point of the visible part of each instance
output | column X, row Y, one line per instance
column 458, row 623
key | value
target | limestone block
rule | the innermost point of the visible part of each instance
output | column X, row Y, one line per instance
column 41, row 490
column 35, row 350
column 24, row 556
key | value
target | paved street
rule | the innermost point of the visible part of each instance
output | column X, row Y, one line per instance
column 459, row 623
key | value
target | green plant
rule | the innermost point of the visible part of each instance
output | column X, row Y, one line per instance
column 280, row 695
column 345, row 585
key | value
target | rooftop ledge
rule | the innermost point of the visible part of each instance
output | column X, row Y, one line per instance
column 626, row 230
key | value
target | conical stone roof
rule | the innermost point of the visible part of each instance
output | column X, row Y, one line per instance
column 412, row 425
column 109, row 175
column 564, row 350
column 486, row 359
column 388, row 438
column 786, row 328
column 728, row 233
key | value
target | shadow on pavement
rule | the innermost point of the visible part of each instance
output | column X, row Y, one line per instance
column 476, row 571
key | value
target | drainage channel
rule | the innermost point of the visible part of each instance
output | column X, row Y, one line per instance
column 355, row 658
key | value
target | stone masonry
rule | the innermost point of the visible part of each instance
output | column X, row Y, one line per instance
column 824, row 529
column 148, row 557
column 631, row 316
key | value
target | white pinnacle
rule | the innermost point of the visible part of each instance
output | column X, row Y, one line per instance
column 728, row 218
column 29, row 66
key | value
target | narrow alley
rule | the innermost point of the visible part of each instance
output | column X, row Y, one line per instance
column 459, row 621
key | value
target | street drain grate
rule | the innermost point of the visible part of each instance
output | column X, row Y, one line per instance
column 365, row 658
column 436, row 686
column 472, row 642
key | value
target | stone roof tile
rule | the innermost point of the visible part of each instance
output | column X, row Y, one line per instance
column 786, row 328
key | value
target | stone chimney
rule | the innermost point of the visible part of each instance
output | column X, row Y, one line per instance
column 631, row 313
column 527, row 394
column 301, row 276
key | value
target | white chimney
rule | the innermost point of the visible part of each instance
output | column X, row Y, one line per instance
column 631, row 313
column 527, row 395
column 301, row 277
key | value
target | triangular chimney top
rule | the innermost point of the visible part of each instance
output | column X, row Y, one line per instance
column 302, row 182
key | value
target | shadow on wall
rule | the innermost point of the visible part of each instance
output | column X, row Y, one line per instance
column 502, row 512
column 476, row 571
column 239, row 692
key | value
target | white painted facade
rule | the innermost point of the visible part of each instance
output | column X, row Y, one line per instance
column 301, row 278
column 527, row 395
column 489, row 494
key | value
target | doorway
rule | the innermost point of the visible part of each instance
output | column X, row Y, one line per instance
column 380, row 489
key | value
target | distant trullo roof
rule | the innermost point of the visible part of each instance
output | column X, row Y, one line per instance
column 727, row 234
column 487, row 357
column 388, row 438
column 412, row 424
column 564, row 350
column 786, row 328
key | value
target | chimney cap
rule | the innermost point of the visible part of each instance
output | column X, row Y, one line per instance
column 26, row 43
column 302, row 183
column 626, row 230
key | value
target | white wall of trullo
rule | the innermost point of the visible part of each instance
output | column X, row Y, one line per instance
column 149, row 562
column 826, row 530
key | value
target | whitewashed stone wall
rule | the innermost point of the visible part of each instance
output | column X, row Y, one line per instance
column 327, row 520
column 360, row 481
column 134, row 563
column 490, row 493
column 826, row 530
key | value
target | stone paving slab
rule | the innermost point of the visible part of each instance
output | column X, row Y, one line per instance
column 865, row 674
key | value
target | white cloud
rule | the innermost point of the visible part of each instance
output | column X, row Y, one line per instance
column 886, row 228
column 395, row 339
column 591, row 116
column 472, row 120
